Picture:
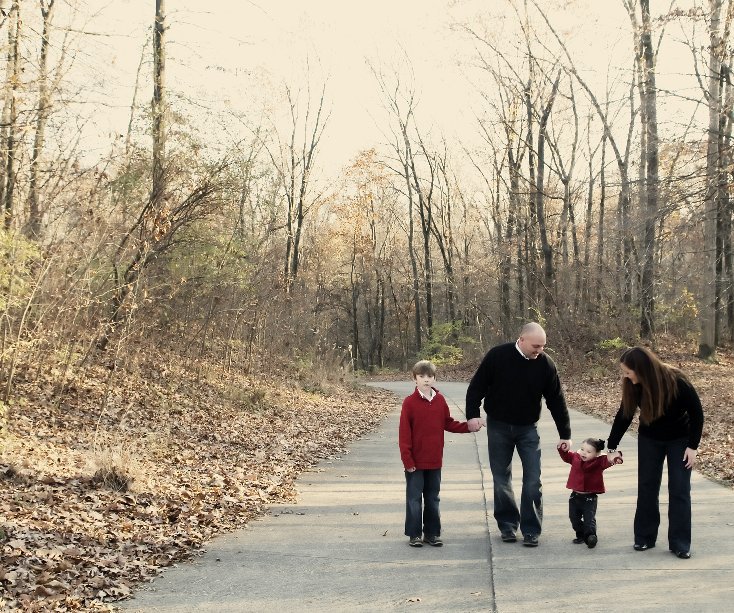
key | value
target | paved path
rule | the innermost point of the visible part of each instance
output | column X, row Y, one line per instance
column 341, row 548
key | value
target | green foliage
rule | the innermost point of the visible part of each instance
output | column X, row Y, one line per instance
column 612, row 343
column 18, row 257
column 680, row 316
column 443, row 346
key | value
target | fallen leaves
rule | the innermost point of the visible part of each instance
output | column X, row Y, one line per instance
column 204, row 462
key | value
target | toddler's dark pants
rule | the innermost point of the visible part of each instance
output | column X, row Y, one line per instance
column 582, row 513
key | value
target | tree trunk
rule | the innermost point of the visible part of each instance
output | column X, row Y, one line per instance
column 707, row 299
column 10, row 114
column 159, row 98
column 549, row 273
column 647, row 290
column 44, row 109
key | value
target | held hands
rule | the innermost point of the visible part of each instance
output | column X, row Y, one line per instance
column 476, row 424
column 615, row 457
column 564, row 444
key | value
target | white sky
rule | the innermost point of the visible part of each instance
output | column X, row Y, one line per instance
column 238, row 54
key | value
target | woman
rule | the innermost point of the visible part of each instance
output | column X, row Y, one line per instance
column 671, row 422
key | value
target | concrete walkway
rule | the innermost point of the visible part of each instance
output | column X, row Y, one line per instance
column 342, row 548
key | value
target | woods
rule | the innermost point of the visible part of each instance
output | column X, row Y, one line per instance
column 179, row 237
column 169, row 234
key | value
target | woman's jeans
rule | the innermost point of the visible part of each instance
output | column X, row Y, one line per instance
column 422, row 489
column 503, row 439
column 651, row 456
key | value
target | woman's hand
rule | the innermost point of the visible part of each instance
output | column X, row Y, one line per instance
column 689, row 458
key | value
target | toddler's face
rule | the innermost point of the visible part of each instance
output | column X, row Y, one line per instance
column 587, row 452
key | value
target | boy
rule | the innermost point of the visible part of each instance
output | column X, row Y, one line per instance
column 423, row 419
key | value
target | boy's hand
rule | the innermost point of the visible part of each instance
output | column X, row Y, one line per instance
column 410, row 470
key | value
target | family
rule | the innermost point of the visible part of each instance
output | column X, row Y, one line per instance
column 512, row 380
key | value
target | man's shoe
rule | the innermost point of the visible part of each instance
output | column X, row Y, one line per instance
column 578, row 540
column 683, row 555
column 435, row 541
column 508, row 537
column 415, row 541
column 642, row 546
column 591, row 541
column 530, row 540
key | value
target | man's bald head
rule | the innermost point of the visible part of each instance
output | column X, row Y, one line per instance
column 532, row 340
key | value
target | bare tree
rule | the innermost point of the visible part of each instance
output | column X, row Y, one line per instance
column 9, row 128
column 44, row 108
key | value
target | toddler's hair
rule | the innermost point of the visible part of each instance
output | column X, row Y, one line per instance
column 596, row 443
column 424, row 367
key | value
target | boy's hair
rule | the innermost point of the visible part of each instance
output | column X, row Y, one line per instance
column 596, row 443
column 424, row 367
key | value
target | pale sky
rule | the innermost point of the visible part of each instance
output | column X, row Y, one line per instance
column 237, row 54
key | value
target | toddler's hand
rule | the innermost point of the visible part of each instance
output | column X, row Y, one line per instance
column 563, row 446
column 616, row 457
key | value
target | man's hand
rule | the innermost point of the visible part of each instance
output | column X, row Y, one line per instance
column 564, row 444
column 475, row 424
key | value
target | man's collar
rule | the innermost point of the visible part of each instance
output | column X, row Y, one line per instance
column 517, row 346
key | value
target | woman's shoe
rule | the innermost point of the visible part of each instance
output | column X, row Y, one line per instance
column 642, row 546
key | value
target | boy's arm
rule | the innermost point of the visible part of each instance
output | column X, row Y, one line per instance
column 449, row 423
column 405, row 437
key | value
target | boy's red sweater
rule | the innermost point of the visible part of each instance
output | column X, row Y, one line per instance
column 422, row 424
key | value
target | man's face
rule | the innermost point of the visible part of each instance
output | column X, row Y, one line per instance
column 532, row 345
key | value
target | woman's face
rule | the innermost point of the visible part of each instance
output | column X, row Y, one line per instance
column 628, row 373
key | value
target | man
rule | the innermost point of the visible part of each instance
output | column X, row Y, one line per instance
column 512, row 379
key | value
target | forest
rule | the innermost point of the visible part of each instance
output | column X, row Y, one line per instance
column 205, row 251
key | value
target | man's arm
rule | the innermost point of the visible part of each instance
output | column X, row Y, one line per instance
column 477, row 389
column 556, row 403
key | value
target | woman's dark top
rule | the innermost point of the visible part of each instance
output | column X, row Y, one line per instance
column 683, row 418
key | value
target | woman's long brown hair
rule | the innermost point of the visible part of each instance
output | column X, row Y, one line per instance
column 656, row 387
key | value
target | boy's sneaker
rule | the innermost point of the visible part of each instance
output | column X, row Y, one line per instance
column 433, row 540
column 415, row 541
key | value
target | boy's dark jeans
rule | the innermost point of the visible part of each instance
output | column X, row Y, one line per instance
column 582, row 513
column 422, row 516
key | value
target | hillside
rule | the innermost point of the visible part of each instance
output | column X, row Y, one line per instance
column 125, row 473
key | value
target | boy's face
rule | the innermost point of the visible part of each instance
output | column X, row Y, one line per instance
column 587, row 452
column 424, row 382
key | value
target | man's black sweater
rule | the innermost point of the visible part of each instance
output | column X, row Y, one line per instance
column 512, row 387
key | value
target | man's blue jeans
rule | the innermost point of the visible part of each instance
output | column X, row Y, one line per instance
column 422, row 489
column 503, row 439
column 651, row 455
